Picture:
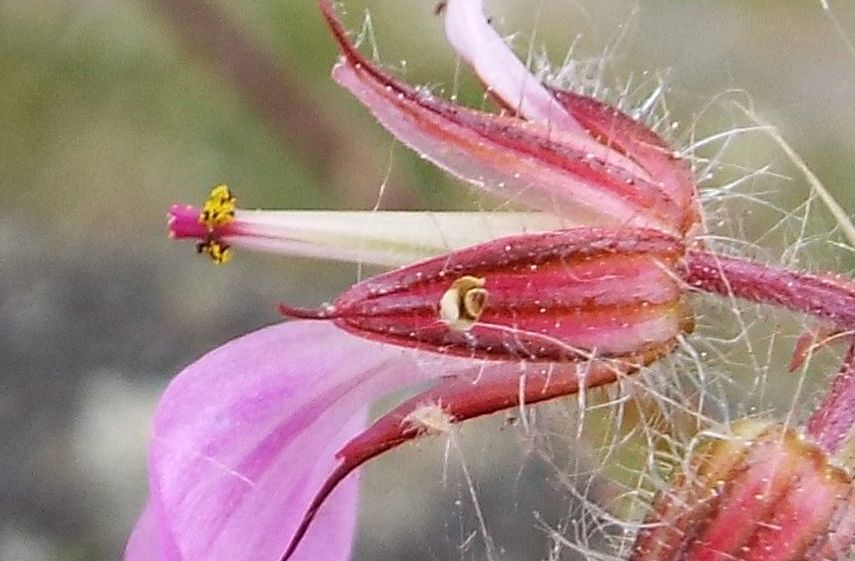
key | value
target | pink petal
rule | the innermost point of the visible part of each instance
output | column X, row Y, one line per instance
column 509, row 80
column 565, row 172
column 245, row 436
column 149, row 540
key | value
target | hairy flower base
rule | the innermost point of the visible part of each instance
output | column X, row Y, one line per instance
column 760, row 493
column 564, row 295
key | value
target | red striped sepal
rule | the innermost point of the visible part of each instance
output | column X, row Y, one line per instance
column 557, row 296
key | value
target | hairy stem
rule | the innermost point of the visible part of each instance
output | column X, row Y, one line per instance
column 832, row 423
column 827, row 298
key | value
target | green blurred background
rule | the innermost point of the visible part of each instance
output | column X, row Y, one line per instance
column 111, row 110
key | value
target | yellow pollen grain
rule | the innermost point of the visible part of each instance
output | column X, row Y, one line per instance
column 216, row 250
column 219, row 208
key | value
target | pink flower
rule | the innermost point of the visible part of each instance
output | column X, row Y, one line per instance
column 254, row 442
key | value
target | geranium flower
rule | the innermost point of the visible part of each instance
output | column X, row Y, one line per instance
column 254, row 442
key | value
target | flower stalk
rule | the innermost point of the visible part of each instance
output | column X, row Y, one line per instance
column 832, row 424
column 829, row 298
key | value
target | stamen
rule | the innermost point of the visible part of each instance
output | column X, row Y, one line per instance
column 217, row 250
column 385, row 238
column 219, row 209
column 463, row 303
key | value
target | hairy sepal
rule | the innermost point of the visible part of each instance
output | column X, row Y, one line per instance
column 510, row 83
column 567, row 172
column 620, row 132
column 455, row 399
column 567, row 295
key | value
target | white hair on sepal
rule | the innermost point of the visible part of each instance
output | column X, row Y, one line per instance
column 366, row 34
column 640, row 96
column 607, row 511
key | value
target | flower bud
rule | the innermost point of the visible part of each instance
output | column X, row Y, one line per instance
column 564, row 295
column 761, row 493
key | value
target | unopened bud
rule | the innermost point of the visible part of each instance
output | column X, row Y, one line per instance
column 761, row 493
